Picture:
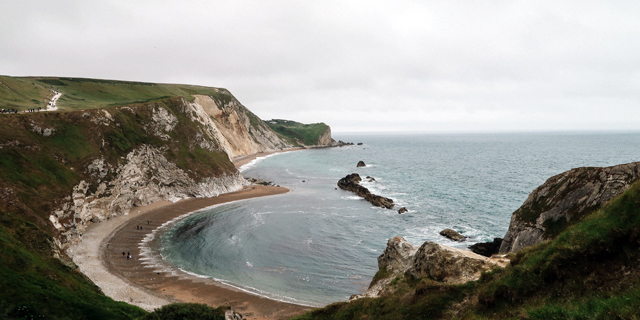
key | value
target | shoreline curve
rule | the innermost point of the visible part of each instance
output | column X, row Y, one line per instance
column 99, row 256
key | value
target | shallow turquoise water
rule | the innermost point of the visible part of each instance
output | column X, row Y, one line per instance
column 317, row 245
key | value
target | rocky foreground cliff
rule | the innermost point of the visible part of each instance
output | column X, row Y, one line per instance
column 572, row 252
column 563, row 200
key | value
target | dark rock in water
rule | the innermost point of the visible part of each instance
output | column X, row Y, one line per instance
column 370, row 179
column 452, row 234
column 487, row 249
column 341, row 143
column 402, row 210
column 379, row 201
column 352, row 183
column 361, row 164
column 260, row 182
column 359, row 143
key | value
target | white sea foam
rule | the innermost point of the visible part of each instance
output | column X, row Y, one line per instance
column 258, row 160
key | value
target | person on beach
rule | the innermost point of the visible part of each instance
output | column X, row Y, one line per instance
column 123, row 253
column 137, row 227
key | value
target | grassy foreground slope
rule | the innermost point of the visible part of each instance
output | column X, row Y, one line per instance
column 298, row 133
column 590, row 271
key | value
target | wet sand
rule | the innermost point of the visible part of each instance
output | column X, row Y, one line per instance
column 163, row 287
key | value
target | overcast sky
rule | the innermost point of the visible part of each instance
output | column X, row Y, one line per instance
column 436, row 66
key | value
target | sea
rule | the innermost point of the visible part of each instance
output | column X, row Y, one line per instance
column 319, row 244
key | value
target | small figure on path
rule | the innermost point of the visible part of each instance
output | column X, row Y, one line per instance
column 123, row 253
column 137, row 227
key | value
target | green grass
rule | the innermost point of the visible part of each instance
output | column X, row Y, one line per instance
column 22, row 93
column 81, row 94
column 35, row 285
column 298, row 133
column 186, row 311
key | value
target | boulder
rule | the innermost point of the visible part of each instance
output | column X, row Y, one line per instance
column 487, row 249
column 397, row 256
column 430, row 261
column 565, row 199
column 452, row 234
column 361, row 164
column 402, row 210
column 359, row 143
column 370, row 179
column 450, row 265
column 379, row 201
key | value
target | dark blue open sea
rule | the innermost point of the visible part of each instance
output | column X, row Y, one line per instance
column 317, row 245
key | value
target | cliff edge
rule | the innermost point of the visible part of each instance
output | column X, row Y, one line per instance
column 563, row 200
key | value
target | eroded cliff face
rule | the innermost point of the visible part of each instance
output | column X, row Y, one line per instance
column 563, row 200
column 325, row 139
column 238, row 130
column 145, row 176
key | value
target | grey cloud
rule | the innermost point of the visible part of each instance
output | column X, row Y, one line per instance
column 356, row 65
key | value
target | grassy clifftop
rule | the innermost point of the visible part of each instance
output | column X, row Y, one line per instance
column 298, row 133
column 79, row 93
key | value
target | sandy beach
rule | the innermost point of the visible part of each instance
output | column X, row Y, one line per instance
column 100, row 257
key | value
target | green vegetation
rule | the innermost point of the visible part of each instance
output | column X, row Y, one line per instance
column 186, row 311
column 81, row 94
column 35, row 285
column 590, row 271
column 297, row 133
column 22, row 93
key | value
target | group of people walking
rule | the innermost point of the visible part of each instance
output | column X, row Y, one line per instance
column 128, row 255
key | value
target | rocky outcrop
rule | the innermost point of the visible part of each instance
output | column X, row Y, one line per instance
column 563, row 200
column 487, row 249
column 325, row 138
column 450, row 265
column 452, row 235
column 431, row 261
column 397, row 256
column 402, row 210
column 352, row 183
column 361, row 164
column 144, row 177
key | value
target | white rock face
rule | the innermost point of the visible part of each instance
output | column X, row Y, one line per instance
column 325, row 139
column 146, row 176
column 163, row 122
column 230, row 125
